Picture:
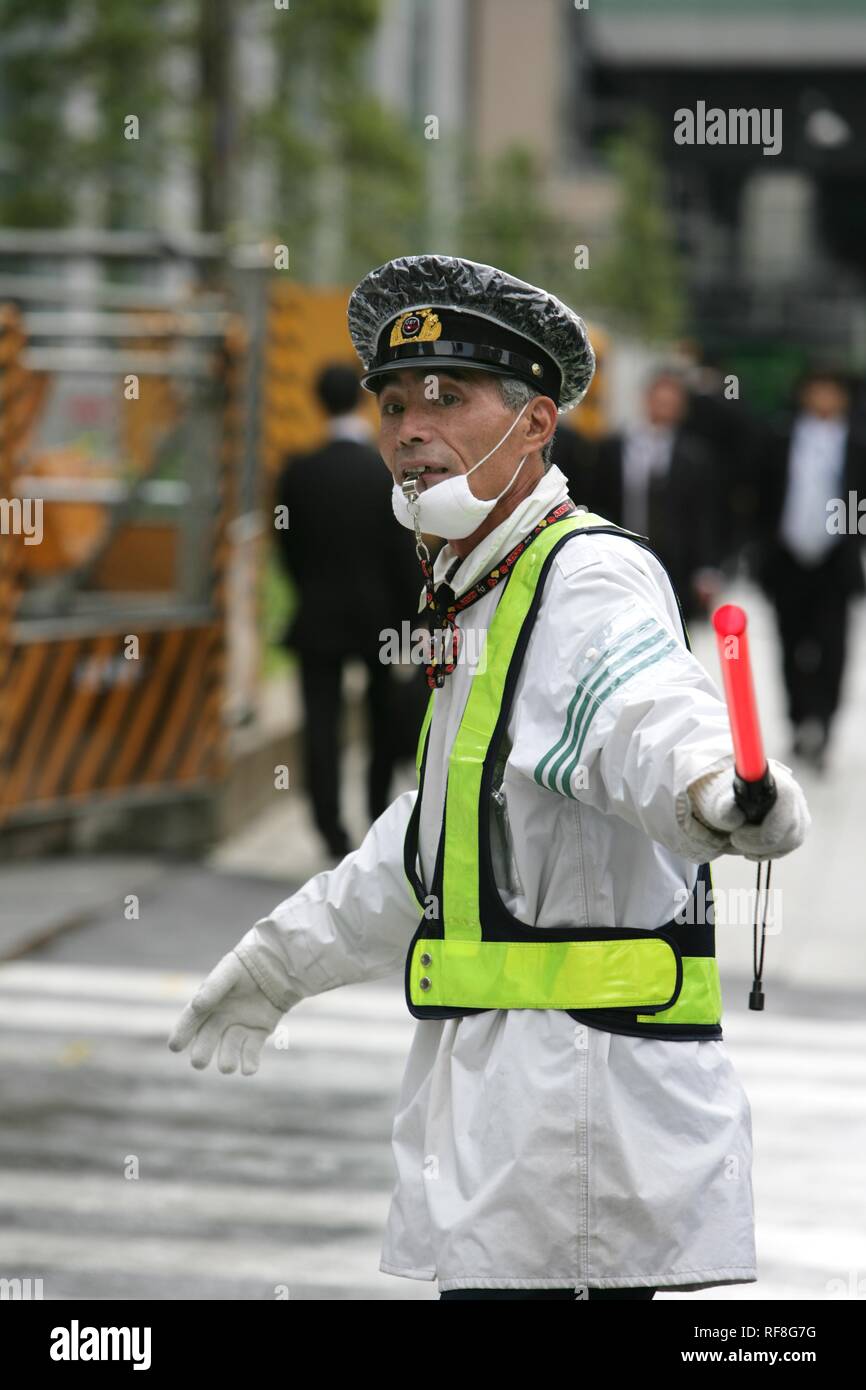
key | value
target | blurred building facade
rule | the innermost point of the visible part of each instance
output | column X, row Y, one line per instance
column 772, row 244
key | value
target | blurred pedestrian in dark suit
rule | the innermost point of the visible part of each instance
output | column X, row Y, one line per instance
column 733, row 439
column 810, row 572
column 339, row 505
column 659, row 481
column 576, row 457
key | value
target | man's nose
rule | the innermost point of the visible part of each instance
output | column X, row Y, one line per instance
column 415, row 426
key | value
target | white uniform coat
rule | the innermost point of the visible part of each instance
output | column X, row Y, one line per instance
column 531, row 1151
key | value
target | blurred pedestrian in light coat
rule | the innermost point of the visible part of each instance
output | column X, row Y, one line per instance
column 810, row 560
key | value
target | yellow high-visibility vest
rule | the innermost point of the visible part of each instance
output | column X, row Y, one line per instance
column 470, row 953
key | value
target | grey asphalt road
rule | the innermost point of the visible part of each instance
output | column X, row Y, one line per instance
column 126, row 1174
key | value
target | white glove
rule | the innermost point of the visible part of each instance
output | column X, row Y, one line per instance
column 231, row 1010
column 712, row 820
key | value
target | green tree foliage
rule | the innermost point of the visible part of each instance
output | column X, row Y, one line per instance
column 639, row 278
column 324, row 122
column 349, row 178
column 71, row 72
column 507, row 222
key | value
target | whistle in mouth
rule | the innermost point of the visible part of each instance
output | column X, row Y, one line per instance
column 408, row 486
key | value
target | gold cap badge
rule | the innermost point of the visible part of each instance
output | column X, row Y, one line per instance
column 416, row 326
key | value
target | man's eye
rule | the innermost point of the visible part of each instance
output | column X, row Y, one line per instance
column 387, row 407
column 448, row 396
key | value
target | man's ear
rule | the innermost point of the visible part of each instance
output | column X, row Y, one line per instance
column 541, row 417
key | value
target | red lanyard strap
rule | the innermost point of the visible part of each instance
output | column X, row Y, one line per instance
column 442, row 616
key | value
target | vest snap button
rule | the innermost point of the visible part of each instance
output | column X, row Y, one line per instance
column 591, row 653
column 426, row 960
column 424, row 982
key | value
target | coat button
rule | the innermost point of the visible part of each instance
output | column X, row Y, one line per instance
column 424, row 982
column 591, row 653
column 426, row 960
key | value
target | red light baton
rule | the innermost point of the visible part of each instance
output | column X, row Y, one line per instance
column 754, row 788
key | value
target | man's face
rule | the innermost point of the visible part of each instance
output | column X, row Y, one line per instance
column 450, row 430
column 665, row 403
column 826, row 399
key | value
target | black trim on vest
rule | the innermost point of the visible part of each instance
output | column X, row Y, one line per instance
column 411, row 862
column 498, row 923
column 410, row 840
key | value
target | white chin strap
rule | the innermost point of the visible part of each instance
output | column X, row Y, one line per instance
column 496, row 446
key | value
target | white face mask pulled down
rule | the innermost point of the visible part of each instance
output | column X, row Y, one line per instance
column 450, row 509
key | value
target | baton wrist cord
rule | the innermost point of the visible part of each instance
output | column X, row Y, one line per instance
column 756, row 994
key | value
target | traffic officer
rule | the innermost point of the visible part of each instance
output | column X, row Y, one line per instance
column 570, row 1124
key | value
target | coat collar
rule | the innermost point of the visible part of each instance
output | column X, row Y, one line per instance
column 551, row 488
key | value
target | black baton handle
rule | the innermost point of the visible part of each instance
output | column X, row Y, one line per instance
column 755, row 799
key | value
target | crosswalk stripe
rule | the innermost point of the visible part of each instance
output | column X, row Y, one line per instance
column 832, row 1250
column 799, row 1064
column 297, row 1263
column 285, row 1075
column 160, row 1199
column 83, row 1018
column 771, row 1095
column 90, row 1001
column 807, row 1033
column 95, row 981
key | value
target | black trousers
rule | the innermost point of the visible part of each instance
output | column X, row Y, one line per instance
column 594, row 1295
column 321, row 682
column 812, row 604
